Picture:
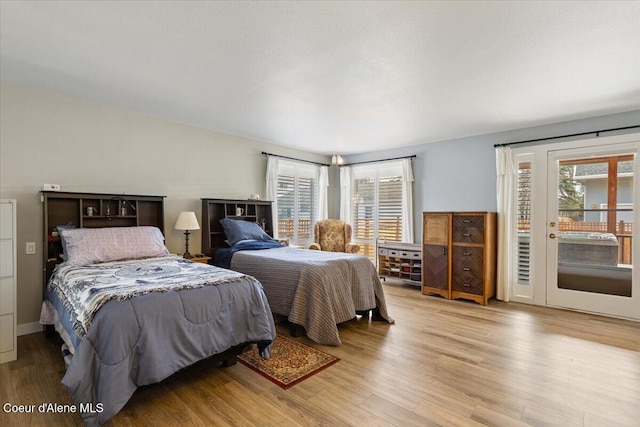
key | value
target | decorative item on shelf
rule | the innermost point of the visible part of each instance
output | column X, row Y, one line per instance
column 254, row 196
column 90, row 211
column 187, row 221
column 123, row 208
column 239, row 211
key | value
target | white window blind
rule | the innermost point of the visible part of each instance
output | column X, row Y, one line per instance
column 297, row 192
column 523, row 271
column 377, row 207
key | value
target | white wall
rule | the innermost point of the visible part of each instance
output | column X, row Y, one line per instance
column 50, row 138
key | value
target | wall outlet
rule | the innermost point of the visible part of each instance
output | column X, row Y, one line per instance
column 31, row 248
column 51, row 187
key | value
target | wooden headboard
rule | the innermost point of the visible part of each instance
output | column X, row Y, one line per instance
column 94, row 210
column 213, row 210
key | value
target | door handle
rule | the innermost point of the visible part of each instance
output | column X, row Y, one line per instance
column 552, row 236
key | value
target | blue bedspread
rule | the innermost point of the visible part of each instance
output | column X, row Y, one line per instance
column 222, row 257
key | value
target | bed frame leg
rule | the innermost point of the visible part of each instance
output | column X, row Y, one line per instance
column 230, row 361
column 364, row 313
column 49, row 331
column 296, row 330
column 376, row 317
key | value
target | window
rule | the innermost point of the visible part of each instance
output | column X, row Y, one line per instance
column 378, row 210
column 297, row 206
column 523, row 271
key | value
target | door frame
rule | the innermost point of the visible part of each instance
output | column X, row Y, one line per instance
column 538, row 155
column 610, row 305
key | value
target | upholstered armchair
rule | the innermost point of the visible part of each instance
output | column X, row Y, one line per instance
column 333, row 235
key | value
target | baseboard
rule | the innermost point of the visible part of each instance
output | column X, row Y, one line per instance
column 29, row 328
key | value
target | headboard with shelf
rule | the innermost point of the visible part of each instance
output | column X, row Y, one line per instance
column 213, row 210
column 94, row 210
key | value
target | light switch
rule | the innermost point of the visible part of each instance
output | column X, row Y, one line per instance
column 31, row 248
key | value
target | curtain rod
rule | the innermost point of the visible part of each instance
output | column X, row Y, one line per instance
column 297, row 160
column 597, row 132
column 381, row 160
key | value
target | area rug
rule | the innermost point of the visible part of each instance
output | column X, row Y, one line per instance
column 290, row 362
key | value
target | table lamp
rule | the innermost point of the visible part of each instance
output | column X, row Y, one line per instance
column 187, row 221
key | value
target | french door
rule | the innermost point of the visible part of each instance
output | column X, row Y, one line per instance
column 592, row 214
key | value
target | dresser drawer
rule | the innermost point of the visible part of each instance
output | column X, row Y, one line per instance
column 468, row 221
column 467, row 268
column 468, row 229
column 470, row 256
column 468, row 284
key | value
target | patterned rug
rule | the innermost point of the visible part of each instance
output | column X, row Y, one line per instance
column 290, row 362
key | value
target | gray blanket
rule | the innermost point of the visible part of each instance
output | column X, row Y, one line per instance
column 143, row 340
column 315, row 289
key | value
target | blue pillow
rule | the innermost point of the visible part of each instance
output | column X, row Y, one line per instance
column 237, row 230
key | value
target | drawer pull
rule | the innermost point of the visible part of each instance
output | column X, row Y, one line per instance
column 466, row 253
column 466, row 221
column 466, row 285
column 466, row 234
column 466, row 269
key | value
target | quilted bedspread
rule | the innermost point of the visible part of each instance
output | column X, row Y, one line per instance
column 138, row 322
column 315, row 289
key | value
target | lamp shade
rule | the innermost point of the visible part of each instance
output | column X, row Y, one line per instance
column 187, row 221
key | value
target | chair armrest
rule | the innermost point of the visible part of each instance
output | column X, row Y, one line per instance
column 351, row 248
column 315, row 246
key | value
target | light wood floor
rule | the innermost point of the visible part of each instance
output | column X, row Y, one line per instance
column 442, row 363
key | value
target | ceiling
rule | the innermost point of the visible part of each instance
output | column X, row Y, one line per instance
column 333, row 77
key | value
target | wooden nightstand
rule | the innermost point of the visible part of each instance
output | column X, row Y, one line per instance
column 202, row 259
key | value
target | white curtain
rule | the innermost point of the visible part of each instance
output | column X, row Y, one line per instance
column 323, row 199
column 272, row 190
column 407, row 201
column 506, row 178
column 345, row 194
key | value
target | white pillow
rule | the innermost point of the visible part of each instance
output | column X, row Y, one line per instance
column 94, row 245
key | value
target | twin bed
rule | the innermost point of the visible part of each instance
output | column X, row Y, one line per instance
column 132, row 314
column 314, row 290
column 132, row 318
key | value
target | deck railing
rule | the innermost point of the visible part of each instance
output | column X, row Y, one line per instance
column 286, row 228
column 624, row 233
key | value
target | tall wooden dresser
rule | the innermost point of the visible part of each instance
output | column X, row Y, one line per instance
column 459, row 255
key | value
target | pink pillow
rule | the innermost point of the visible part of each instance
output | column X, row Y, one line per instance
column 94, row 245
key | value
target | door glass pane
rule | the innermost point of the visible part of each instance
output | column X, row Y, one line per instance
column 390, row 208
column 296, row 208
column 363, row 227
column 594, row 246
column 286, row 206
column 306, row 210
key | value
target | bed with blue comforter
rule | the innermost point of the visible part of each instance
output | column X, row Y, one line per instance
column 136, row 322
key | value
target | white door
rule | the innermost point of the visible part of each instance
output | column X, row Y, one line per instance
column 591, row 218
